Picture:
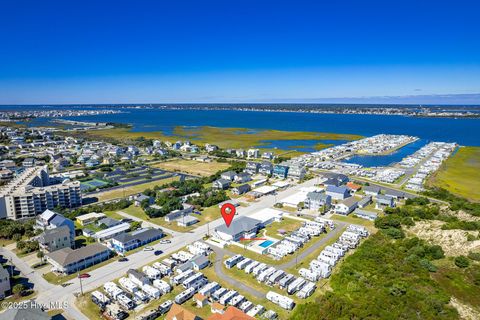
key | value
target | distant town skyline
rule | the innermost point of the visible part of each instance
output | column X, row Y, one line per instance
column 59, row 52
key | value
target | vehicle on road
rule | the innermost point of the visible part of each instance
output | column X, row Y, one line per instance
column 166, row 241
column 122, row 259
column 148, row 249
column 158, row 252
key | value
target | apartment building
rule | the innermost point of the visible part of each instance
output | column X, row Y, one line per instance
column 30, row 194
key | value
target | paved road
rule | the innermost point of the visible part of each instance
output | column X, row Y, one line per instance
column 340, row 227
column 42, row 286
column 117, row 269
column 218, row 265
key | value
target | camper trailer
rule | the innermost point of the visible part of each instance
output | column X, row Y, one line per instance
column 296, row 285
column 165, row 307
column 231, row 262
column 251, row 266
column 275, row 277
column 236, row 301
column 112, row 290
column 209, row 289
column 125, row 302
column 285, row 281
column 307, row 290
column 152, row 273
column 256, row 311
column 163, row 286
column 227, row 297
column 219, row 293
column 308, row 274
column 184, row 295
column 242, row 264
column 128, row 285
column 100, row 299
column 153, row 292
column 245, row 306
column 282, row 301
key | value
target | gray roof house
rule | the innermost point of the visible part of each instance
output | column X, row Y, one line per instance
column 109, row 222
column 129, row 241
column 252, row 167
column 221, row 184
column 27, row 311
column 138, row 277
column 200, row 262
column 243, row 227
column 337, row 193
column 365, row 214
column 4, row 282
column 365, row 201
column 395, row 194
column 242, row 177
column 55, row 239
column 346, row 206
column 384, row 202
column 229, row 175
column 316, row 200
column 244, row 188
column 50, row 220
column 371, row 190
column 67, row 260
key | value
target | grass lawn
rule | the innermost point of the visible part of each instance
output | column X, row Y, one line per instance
column 127, row 191
column 304, row 263
column 460, row 282
column 5, row 242
column 212, row 276
column 192, row 167
column 460, row 174
column 354, row 220
column 207, row 215
column 160, row 221
column 224, row 137
column 286, row 224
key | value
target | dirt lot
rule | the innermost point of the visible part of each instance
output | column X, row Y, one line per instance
column 453, row 242
column 192, row 167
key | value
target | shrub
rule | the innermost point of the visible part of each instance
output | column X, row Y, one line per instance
column 18, row 289
column 474, row 256
column 462, row 262
column 394, row 233
column 428, row 265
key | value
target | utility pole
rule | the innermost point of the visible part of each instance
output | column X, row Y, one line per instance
column 81, row 287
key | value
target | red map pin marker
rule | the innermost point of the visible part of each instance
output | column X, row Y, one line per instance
column 228, row 212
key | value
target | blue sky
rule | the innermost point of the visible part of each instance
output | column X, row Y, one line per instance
column 239, row 51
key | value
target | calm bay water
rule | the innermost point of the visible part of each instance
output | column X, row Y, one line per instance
column 385, row 160
column 462, row 131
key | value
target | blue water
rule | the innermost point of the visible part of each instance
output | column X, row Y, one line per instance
column 462, row 131
column 380, row 161
column 266, row 243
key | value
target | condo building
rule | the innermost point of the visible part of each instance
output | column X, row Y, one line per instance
column 30, row 194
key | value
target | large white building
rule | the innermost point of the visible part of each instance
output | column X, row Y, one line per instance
column 30, row 194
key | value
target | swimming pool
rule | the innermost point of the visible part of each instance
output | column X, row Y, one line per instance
column 266, row 243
